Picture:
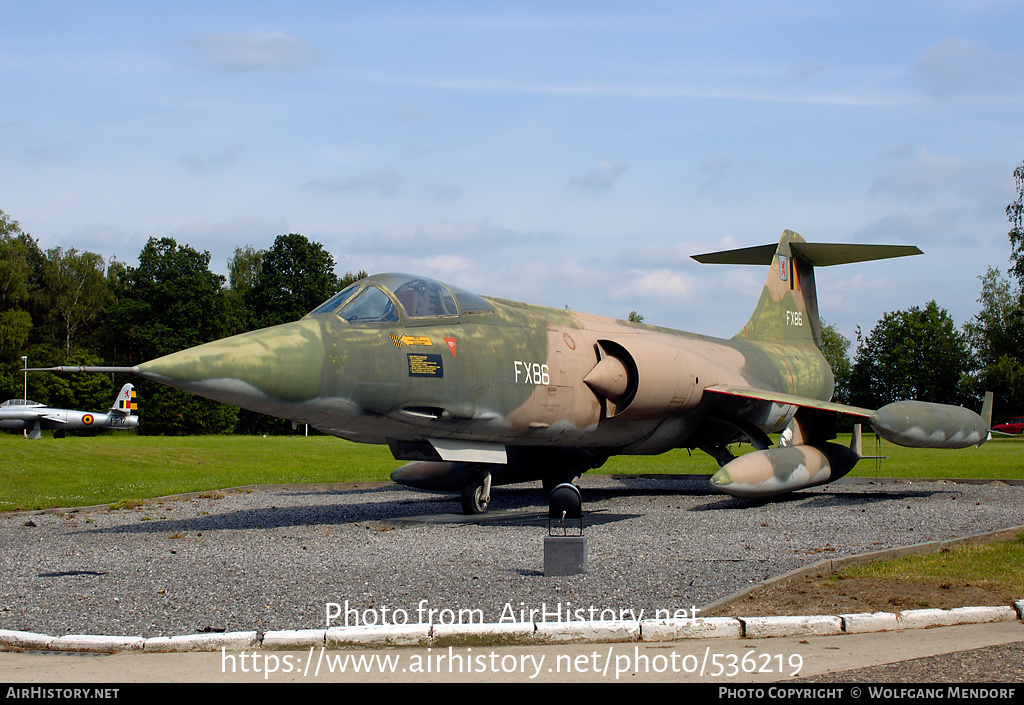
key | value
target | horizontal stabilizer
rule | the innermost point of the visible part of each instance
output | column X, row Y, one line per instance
column 817, row 254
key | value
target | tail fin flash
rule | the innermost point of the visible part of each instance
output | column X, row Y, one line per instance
column 788, row 308
column 125, row 402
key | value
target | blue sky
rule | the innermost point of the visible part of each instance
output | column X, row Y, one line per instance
column 558, row 153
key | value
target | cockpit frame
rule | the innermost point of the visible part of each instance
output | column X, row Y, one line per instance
column 394, row 297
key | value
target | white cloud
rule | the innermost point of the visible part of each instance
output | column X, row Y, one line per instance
column 665, row 284
column 407, row 114
column 803, row 70
column 601, row 177
column 102, row 239
column 61, row 152
column 442, row 194
column 228, row 155
column 382, row 183
column 221, row 237
column 956, row 66
column 715, row 170
column 442, row 237
column 920, row 175
column 256, row 51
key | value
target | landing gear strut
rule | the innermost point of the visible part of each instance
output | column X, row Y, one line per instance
column 476, row 496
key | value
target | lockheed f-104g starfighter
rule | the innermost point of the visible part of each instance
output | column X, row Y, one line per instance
column 477, row 392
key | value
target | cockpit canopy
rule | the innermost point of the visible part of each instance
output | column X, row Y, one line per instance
column 385, row 298
column 20, row 403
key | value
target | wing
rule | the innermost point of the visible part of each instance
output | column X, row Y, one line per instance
column 791, row 399
column 915, row 424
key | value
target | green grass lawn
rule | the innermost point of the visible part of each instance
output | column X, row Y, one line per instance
column 83, row 471
column 999, row 563
column 88, row 470
column 1000, row 458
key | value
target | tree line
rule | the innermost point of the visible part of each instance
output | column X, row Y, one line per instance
column 920, row 353
column 65, row 307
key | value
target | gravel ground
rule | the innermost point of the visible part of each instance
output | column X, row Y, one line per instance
column 274, row 557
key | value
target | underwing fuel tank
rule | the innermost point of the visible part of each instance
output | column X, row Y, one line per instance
column 445, row 476
column 920, row 424
column 774, row 471
column 524, row 464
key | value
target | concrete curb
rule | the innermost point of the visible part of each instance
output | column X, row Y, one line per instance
column 231, row 641
column 522, row 633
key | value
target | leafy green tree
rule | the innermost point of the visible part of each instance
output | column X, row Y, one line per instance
column 1015, row 214
column 635, row 317
column 88, row 392
column 75, row 294
column 996, row 337
column 295, row 276
column 912, row 354
column 19, row 254
column 170, row 302
column 834, row 346
column 350, row 278
column 997, row 332
column 15, row 267
column 279, row 285
column 243, row 269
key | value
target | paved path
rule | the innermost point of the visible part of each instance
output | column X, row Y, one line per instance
column 946, row 654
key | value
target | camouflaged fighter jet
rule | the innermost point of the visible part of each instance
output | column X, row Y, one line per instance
column 478, row 392
column 27, row 415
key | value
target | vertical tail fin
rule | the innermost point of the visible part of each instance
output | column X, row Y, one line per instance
column 788, row 307
column 125, row 402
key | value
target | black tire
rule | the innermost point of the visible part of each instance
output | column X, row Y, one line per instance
column 473, row 498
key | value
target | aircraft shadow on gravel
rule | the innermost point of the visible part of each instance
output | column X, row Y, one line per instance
column 823, row 500
column 525, row 507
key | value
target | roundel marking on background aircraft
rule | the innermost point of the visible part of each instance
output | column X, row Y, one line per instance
column 88, row 419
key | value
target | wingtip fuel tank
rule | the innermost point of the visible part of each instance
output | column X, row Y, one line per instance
column 919, row 424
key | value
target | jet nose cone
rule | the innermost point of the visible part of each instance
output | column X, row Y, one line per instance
column 283, row 363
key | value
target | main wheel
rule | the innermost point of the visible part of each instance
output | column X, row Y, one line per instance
column 473, row 501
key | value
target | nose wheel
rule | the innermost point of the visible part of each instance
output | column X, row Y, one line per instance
column 476, row 496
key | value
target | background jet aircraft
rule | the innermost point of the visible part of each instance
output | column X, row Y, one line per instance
column 481, row 391
column 22, row 414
